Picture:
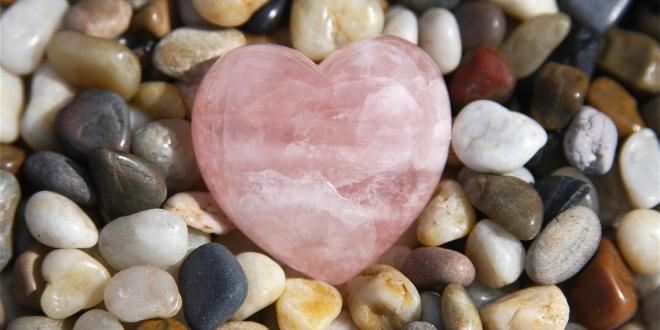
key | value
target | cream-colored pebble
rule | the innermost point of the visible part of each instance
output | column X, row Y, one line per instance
column 266, row 282
column 638, row 238
column 307, row 305
column 498, row 256
column 447, row 217
column 11, row 103
column 401, row 22
column 458, row 310
column 97, row 319
column 199, row 210
column 227, row 13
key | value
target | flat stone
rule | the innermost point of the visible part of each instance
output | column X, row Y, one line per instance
column 638, row 159
column 549, row 157
column 434, row 267
column 126, row 184
column 651, row 114
column 480, row 23
column 199, row 210
column 510, row 202
column 27, row 283
column 38, row 322
column 268, row 17
column 431, row 303
column 633, row 58
column 401, row 22
column 11, row 158
column 97, row 319
column 213, row 285
column 498, row 256
column 440, row 38
column 603, row 294
column 559, row 92
column 590, row 142
column 159, row 100
column 11, row 101
column 161, row 324
column 564, row 246
column 458, row 311
column 10, row 195
column 307, row 304
column 47, row 170
column 637, row 236
column 599, row 16
column 227, row 13
column 93, row 119
column 99, row 18
column 559, row 193
column 536, row 307
column 482, row 294
column 482, row 75
column 115, row 67
column 607, row 96
column 530, row 44
column 527, row 9
column 266, row 282
column 154, row 18
column 591, row 199
column 419, row 325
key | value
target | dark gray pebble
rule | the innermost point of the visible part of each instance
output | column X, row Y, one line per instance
column 419, row 325
column 559, row 193
column 432, row 308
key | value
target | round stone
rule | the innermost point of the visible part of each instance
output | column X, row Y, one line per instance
column 11, row 101
column 638, row 238
column 434, row 267
column 590, row 142
column 159, row 100
column 401, row 22
column 97, row 319
column 268, row 18
column 638, row 160
column 609, row 97
column 307, row 304
column 99, row 18
column 265, row 279
column 458, row 311
column 227, row 13
column 480, row 23
column 440, row 38
column 10, row 195
column 537, row 307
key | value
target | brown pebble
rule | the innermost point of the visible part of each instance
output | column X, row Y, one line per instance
column 159, row 100
column 559, row 93
column 154, row 18
column 434, row 267
column 651, row 114
column 27, row 283
column 161, row 324
column 11, row 158
column 99, row 18
column 612, row 99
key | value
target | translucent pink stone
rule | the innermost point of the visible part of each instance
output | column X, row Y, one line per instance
column 323, row 166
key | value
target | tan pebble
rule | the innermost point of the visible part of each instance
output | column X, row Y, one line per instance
column 227, row 13
column 39, row 323
column 27, row 282
column 161, row 324
column 638, row 238
column 99, row 18
column 159, row 100
column 447, row 217
column 458, row 310
column 242, row 325
column 199, row 210
column 154, row 18
column 265, row 283
column 97, row 319
column 307, row 305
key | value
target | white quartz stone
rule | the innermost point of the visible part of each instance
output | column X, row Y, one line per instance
column 401, row 22
column 489, row 138
column 536, row 307
column 58, row 222
column 49, row 92
column 447, row 217
column 25, row 29
column 265, row 280
column 638, row 159
column 95, row 319
column 11, row 105
column 638, row 238
column 440, row 38
column 526, row 9
column 199, row 210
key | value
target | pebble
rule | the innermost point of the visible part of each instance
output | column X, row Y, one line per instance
column 603, row 294
column 242, row 325
column 458, row 311
column 11, row 102
column 482, row 295
column 227, row 13
column 395, row 256
column 320, row 27
column 530, row 44
column 480, row 23
column 26, row 28
column 167, row 143
column 651, row 114
column 401, row 22
column 591, row 199
column 11, row 158
column 599, row 16
column 99, row 18
column 521, row 173
column 559, row 93
column 638, row 238
column 27, row 282
column 265, row 280
column 126, row 184
column 267, row 18
column 434, row 267
column 527, row 9
column 590, row 142
column 559, row 193
column 97, row 319
column 549, row 157
column 613, row 199
column 432, row 308
column 307, row 304
column 74, row 281
column 199, row 211
column 154, row 18
column 498, row 256
column 187, row 53
column 159, row 100
column 607, row 96
column 93, row 119
column 564, row 246
column 482, row 75
column 440, row 37
column 142, row 292
column 575, row 326
column 213, row 285
column 581, row 49
column 421, row 6
column 188, row 14
column 419, row 325
column 153, row 237
column 10, row 195
column 447, row 217
column 510, row 202
column 536, row 307
column 638, row 159
column 382, row 298
column 49, row 92
column 47, row 170
column 38, row 322
column 633, row 58
column 162, row 324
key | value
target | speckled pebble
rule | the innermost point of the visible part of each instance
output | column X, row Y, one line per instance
column 458, row 311
column 434, row 267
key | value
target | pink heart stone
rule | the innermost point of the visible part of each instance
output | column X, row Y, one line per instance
column 323, row 166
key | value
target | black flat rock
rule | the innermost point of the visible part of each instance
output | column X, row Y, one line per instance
column 559, row 193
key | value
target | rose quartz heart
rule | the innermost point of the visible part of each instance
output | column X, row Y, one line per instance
column 323, row 166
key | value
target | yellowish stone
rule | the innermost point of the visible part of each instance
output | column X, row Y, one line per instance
column 159, row 100
column 447, row 217
column 307, row 305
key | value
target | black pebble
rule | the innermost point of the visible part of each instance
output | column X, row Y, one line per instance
column 213, row 286
column 559, row 193
column 268, row 18
column 548, row 158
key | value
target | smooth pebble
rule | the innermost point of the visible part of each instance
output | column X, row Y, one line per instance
column 11, row 158
column 591, row 199
column 638, row 159
column 480, row 23
column 27, row 282
column 38, row 322
column 159, row 100
column 97, row 319
column 612, row 99
column 526, row 9
column 11, row 102
column 401, row 22
column 200, row 211
column 154, row 18
column 431, row 303
column 590, row 142
column 10, row 195
column 307, row 304
column 227, row 13
column 435, row 267
column 266, row 282
column 440, row 38
column 268, row 17
column 482, row 294
column 458, row 311
column 99, row 18
column 559, row 193
column 447, row 217
column 638, row 238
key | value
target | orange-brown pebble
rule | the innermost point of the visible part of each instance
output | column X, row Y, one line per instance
column 611, row 98
column 307, row 305
column 154, row 18
column 160, row 100
column 11, row 158
column 161, row 324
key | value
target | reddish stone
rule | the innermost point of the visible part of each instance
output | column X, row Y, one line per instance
column 603, row 294
column 482, row 74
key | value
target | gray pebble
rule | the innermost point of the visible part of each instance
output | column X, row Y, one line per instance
column 591, row 199
column 10, row 194
column 431, row 308
column 481, row 295
column 590, row 142
column 419, row 325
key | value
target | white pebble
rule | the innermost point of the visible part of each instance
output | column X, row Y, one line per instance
column 440, row 38
column 489, row 138
column 11, row 104
column 536, row 307
column 97, row 319
column 638, row 159
column 265, row 283
column 638, row 238
column 199, row 210
column 447, row 217
column 526, row 9
column 58, row 222
column 590, row 141
column 401, row 22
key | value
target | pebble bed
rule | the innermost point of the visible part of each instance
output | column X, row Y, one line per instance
column 546, row 216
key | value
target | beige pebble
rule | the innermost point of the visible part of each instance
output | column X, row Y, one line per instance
column 27, row 282
column 638, row 160
column 458, row 310
column 159, row 100
column 99, row 18
column 199, row 210
column 307, row 305
column 95, row 319
column 227, row 13
column 11, row 103
column 638, row 238
column 38, row 323
column 381, row 297
column 154, row 18
column 526, row 9
column 242, row 325
column 447, row 217
column 265, row 283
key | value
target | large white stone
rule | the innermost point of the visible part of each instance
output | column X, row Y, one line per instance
column 11, row 105
column 638, row 159
column 638, row 238
column 440, row 38
column 401, row 22
column 536, row 307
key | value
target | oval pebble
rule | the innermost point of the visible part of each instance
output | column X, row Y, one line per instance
column 268, row 17
column 227, row 13
column 434, row 267
column 265, row 280
column 99, row 18
column 638, row 238
column 440, row 38
column 458, row 311
column 200, row 211
column 307, row 304
column 58, row 222
column 431, row 303
column 401, row 22
column 38, row 322
column 638, row 160
column 11, row 102
column 590, row 142
column 153, row 237
column 526, row 9
column 564, row 246
column 97, row 319
column 480, row 23
column 142, row 292
column 10, row 196
column 537, row 307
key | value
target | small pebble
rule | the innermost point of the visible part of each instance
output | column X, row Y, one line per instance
column 199, row 210
column 161, row 324
column 638, row 238
column 447, row 217
column 487, row 137
column 482, row 295
column 537, row 307
column 11, row 102
column 598, row 15
column 154, row 18
column 115, row 67
column 607, row 96
column 419, row 325
column 559, row 193
column 268, row 17
column 401, row 22
column 480, row 24
column 99, row 18
column 498, row 256
column 440, row 38
column 27, row 282
column 242, row 325
column 142, row 292
column 651, row 114
column 580, row 49
column 510, row 202
column 559, row 92
column 11, row 158
column 265, row 280
column 549, row 157
column 564, row 246
column 434, row 267
column 382, row 298
column 307, row 304
column 638, row 159
column 153, row 237
column 458, row 311
column 97, row 319
column 431, row 308
column 227, row 13
column 591, row 199
column 38, row 322
column 10, row 195
column 74, row 281
column 395, row 256
column 47, row 170
column 590, row 142
column 213, row 285
column 526, row 9
column 159, row 100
